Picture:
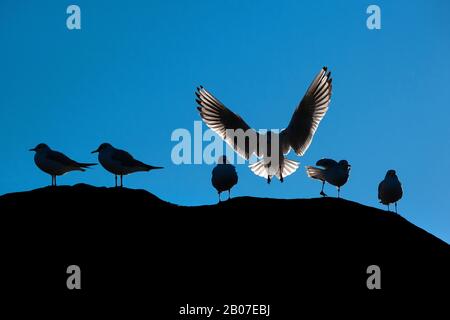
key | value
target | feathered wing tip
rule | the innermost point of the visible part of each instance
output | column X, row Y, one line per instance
column 315, row 173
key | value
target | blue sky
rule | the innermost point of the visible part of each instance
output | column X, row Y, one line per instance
column 128, row 77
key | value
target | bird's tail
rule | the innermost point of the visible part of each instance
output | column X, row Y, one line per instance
column 149, row 167
column 86, row 165
column 261, row 169
column 315, row 173
column 288, row 168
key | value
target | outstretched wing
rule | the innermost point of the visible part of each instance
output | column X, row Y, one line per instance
column 62, row 159
column 326, row 163
column 228, row 125
column 306, row 118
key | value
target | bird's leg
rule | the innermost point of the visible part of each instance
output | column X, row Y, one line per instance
column 115, row 179
column 219, row 196
column 396, row 207
column 55, row 180
column 281, row 175
column 121, row 180
column 268, row 179
column 339, row 191
column 323, row 194
column 229, row 194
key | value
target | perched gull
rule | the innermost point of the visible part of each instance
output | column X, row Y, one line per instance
column 224, row 176
column 335, row 173
column 120, row 162
column 390, row 189
column 297, row 136
column 56, row 163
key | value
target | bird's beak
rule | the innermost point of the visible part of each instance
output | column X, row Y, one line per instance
column 32, row 149
column 95, row 151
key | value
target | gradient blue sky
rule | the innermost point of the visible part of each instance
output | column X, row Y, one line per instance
column 128, row 78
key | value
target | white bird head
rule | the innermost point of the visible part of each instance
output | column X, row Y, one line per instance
column 102, row 147
column 40, row 147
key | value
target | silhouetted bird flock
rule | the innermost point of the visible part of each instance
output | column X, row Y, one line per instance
column 297, row 136
column 116, row 161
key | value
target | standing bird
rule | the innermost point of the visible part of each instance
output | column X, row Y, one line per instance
column 335, row 173
column 120, row 162
column 56, row 163
column 224, row 176
column 390, row 189
column 270, row 146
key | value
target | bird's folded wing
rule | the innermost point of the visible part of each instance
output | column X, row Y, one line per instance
column 326, row 163
column 228, row 125
column 380, row 187
column 125, row 158
column 61, row 158
column 306, row 118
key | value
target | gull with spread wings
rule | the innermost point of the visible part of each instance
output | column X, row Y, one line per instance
column 270, row 146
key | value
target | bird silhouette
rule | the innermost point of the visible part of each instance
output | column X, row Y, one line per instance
column 224, row 176
column 247, row 142
column 390, row 189
column 56, row 163
column 335, row 173
column 120, row 162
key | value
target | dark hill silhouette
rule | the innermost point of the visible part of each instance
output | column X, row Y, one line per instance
column 128, row 241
